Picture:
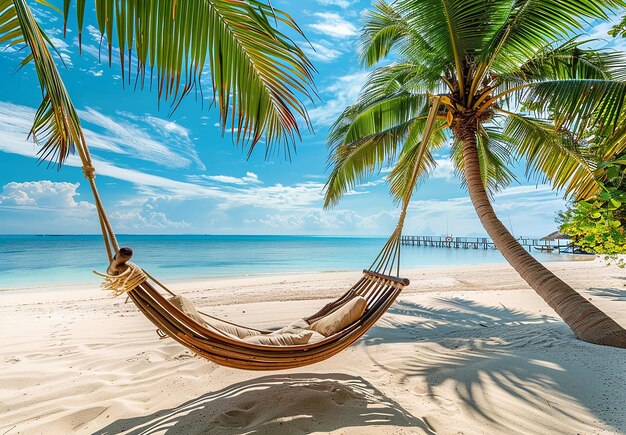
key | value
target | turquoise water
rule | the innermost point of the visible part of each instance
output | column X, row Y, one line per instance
column 35, row 261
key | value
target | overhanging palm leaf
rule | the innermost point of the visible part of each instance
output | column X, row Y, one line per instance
column 56, row 126
column 257, row 72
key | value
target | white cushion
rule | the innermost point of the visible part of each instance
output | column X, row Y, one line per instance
column 344, row 316
column 185, row 305
column 293, row 328
column 280, row 339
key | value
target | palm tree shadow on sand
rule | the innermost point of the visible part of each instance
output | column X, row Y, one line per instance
column 473, row 350
column 286, row 403
column 613, row 294
column 410, row 322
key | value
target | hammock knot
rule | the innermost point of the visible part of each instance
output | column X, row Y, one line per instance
column 126, row 281
column 89, row 171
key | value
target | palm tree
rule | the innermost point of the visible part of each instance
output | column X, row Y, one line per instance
column 257, row 73
column 504, row 80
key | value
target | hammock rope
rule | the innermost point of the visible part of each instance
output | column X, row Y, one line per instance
column 126, row 281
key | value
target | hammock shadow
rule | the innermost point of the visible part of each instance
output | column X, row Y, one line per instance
column 506, row 367
column 287, row 403
column 613, row 294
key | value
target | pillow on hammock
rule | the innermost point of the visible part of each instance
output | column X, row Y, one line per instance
column 347, row 314
column 316, row 337
column 281, row 339
column 234, row 330
column 185, row 305
column 293, row 328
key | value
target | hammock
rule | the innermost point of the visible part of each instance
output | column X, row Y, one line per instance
column 377, row 286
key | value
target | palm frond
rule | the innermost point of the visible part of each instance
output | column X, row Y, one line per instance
column 258, row 73
column 354, row 163
column 571, row 60
column 56, row 127
column 385, row 28
column 552, row 154
column 371, row 135
column 416, row 159
column 579, row 105
column 384, row 113
column 531, row 25
column 453, row 29
column 410, row 77
column 611, row 144
column 415, row 162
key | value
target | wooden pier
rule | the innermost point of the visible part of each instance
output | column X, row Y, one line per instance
column 483, row 243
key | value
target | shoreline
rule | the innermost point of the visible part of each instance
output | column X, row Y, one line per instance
column 572, row 258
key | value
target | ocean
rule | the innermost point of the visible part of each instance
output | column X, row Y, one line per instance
column 49, row 261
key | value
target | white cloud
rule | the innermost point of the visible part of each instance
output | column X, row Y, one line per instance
column 144, row 138
column 95, row 73
column 44, row 195
column 342, row 93
column 136, row 138
column 320, row 52
column 148, row 217
column 341, row 3
column 249, row 178
column 94, row 33
column 63, row 50
column 373, row 183
column 443, row 170
column 59, row 44
column 325, row 221
column 599, row 33
column 333, row 25
column 279, row 196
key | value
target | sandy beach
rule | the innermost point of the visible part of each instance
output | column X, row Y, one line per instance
column 464, row 350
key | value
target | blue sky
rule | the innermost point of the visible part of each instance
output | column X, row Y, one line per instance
column 161, row 174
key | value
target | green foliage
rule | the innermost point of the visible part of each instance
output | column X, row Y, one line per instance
column 258, row 73
column 598, row 225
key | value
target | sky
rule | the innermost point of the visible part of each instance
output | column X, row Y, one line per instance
column 162, row 173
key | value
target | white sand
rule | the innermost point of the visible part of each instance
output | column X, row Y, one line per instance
column 464, row 350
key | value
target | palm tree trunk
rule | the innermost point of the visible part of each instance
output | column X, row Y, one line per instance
column 585, row 319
